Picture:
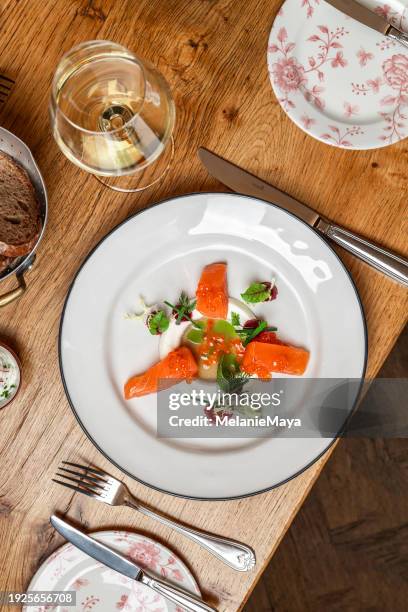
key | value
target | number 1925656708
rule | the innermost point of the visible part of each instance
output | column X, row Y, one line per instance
column 33, row 599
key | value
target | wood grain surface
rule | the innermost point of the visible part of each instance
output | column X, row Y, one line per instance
column 355, row 519
column 213, row 54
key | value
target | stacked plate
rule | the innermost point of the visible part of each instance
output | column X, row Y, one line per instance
column 338, row 80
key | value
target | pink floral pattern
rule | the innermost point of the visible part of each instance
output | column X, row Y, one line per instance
column 395, row 72
column 114, row 591
column 140, row 600
column 305, row 56
column 395, row 75
column 339, row 138
column 309, row 5
column 89, row 603
column 289, row 75
column 79, row 583
column 307, row 121
column 395, row 18
column 350, row 109
column 148, row 555
column 364, row 56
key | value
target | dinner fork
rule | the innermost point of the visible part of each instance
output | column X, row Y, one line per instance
column 101, row 486
column 6, row 85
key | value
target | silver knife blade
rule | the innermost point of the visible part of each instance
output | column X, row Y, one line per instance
column 124, row 566
column 393, row 265
column 243, row 181
column 362, row 14
column 96, row 550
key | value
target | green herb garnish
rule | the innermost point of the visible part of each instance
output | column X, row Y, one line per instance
column 249, row 333
column 230, row 377
column 248, row 330
column 7, row 390
column 183, row 309
column 157, row 322
column 260, row 292
column 235, row 319
column 225, row 329
column 254, row 332
column 257, row 292
column 197, row 335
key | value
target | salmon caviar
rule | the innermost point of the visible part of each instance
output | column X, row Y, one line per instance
column 215, row 344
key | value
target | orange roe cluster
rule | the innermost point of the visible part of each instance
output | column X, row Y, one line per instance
column 214, row 345
column 212, row 292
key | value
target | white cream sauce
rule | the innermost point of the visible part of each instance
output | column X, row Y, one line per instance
column 9, row 376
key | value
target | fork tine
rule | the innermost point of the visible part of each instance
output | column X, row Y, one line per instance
column 86, row 467
column 5, row 78
column 77, row 489
column 85, row 485
column 79, row 475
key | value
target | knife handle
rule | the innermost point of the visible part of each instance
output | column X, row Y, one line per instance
column 397, row 35
column 178, row 596
column 385, row 261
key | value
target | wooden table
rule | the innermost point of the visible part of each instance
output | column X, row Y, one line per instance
column 213, row 54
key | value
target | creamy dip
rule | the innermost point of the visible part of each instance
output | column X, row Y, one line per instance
column 9, row 376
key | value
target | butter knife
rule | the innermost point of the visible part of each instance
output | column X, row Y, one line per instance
column 126, row 567
column 370, row 19
column 241, row 181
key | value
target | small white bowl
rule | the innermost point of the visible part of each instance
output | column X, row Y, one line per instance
column 10, row 375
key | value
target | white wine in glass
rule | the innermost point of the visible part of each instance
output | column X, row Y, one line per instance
column 113, row 115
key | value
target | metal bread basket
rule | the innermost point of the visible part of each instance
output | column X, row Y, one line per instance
column 13, row 146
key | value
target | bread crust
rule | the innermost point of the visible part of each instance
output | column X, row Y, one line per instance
column 20, row 221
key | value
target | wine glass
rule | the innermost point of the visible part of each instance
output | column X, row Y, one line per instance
column 113, row 115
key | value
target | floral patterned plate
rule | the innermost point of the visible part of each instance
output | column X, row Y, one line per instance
column 99, row 588
column 339, row 81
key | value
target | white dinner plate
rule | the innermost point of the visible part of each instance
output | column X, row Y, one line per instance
column 341, row 82
column 96, row 587
column 161, row 251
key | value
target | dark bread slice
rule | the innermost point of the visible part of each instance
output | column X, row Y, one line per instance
column 5, row 262
column 20, row 222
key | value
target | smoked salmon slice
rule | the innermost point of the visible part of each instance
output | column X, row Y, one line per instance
column 177, row 365
column 261, row 358
column 212, row 291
